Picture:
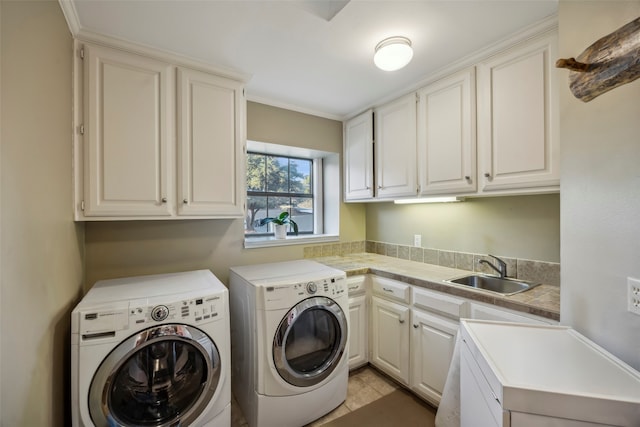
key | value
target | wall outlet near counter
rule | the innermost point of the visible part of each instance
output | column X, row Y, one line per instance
column 417, row 240
column 633, row 295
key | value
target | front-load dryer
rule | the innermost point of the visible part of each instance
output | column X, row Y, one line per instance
column 289, row 324
column 152, row 351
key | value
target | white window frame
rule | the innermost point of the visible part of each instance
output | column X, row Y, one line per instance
column 326, row 203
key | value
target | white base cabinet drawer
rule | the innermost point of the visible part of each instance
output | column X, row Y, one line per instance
column 391, row 289
column 440, row 302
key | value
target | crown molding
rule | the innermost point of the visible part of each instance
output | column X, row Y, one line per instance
column 71, row 16
column 291, row 107
column 152, row 52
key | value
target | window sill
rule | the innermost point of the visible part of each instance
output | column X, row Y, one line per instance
column 265, row 242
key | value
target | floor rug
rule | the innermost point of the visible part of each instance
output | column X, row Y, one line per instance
column 398, row 409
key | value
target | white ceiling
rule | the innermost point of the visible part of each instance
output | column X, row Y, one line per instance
column 314, row 56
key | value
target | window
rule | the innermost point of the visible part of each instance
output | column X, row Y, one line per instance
column 278, row 184
column 301, row 181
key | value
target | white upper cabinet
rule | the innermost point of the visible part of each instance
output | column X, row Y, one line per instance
column 395, row 148
column 518, row 145
column 380, row 152
column 447, row 135
column 155, row 140
column 358, row 157
column 210, row 154
column 488, row 129
column 128, row 103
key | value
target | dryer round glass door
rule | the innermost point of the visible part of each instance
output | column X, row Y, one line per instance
column 310, row 341
column 162, row 376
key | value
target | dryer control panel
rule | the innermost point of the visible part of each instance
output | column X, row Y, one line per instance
column 285, row 295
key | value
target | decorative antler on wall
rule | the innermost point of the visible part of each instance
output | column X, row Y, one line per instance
column 610, row 62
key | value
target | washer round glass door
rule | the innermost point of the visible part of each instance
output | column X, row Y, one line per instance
column 310, row 341
column 162, row 376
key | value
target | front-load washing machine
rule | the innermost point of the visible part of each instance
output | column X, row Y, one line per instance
column 289, row 332
column 152, row 351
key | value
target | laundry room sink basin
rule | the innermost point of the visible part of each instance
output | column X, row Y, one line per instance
column 500, row 285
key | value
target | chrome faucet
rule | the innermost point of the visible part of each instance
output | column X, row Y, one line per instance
column 501, row 268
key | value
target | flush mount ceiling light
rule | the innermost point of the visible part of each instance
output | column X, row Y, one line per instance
column 393, row 53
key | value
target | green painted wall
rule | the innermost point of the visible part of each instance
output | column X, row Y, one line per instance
column 525, row 227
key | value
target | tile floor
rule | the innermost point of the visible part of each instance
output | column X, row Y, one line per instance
column 366, row 384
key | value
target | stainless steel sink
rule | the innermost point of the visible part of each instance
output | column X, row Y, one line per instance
column 502, row 286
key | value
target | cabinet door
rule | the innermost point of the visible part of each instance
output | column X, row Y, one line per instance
column 478, row 404
column 517, row 118
column 358, row 343
column 358, row 157
column 390, row 338
column 210, row 153
column 447, row 135
column 432, row 342
column 129, row 131
column 395, row 148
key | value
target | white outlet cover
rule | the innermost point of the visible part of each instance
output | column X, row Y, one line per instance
column 417, row 240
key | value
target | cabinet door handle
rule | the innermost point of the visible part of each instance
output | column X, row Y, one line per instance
column 415, row 326
column 164, row 200
column 401, row 320
column 387, row 290
column 487, row 175
column 185, row 201
column 468, row 178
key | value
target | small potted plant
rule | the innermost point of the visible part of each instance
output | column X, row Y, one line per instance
column 280, row 224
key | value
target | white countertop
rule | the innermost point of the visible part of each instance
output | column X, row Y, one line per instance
column 555, row 371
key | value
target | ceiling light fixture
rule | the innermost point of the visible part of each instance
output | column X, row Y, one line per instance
column 393, row 53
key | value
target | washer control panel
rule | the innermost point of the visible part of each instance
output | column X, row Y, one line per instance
column 192, row 310
column 105, row 322
column 287, row 294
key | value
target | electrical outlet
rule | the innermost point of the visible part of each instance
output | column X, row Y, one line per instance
column 633, row 295
column 417, row 240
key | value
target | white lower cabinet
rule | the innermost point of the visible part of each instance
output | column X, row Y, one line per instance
column 358, row 351
column 433, row 339
column 358, row 321
column 412, row 335
column 390, row 338
column 435, row 318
